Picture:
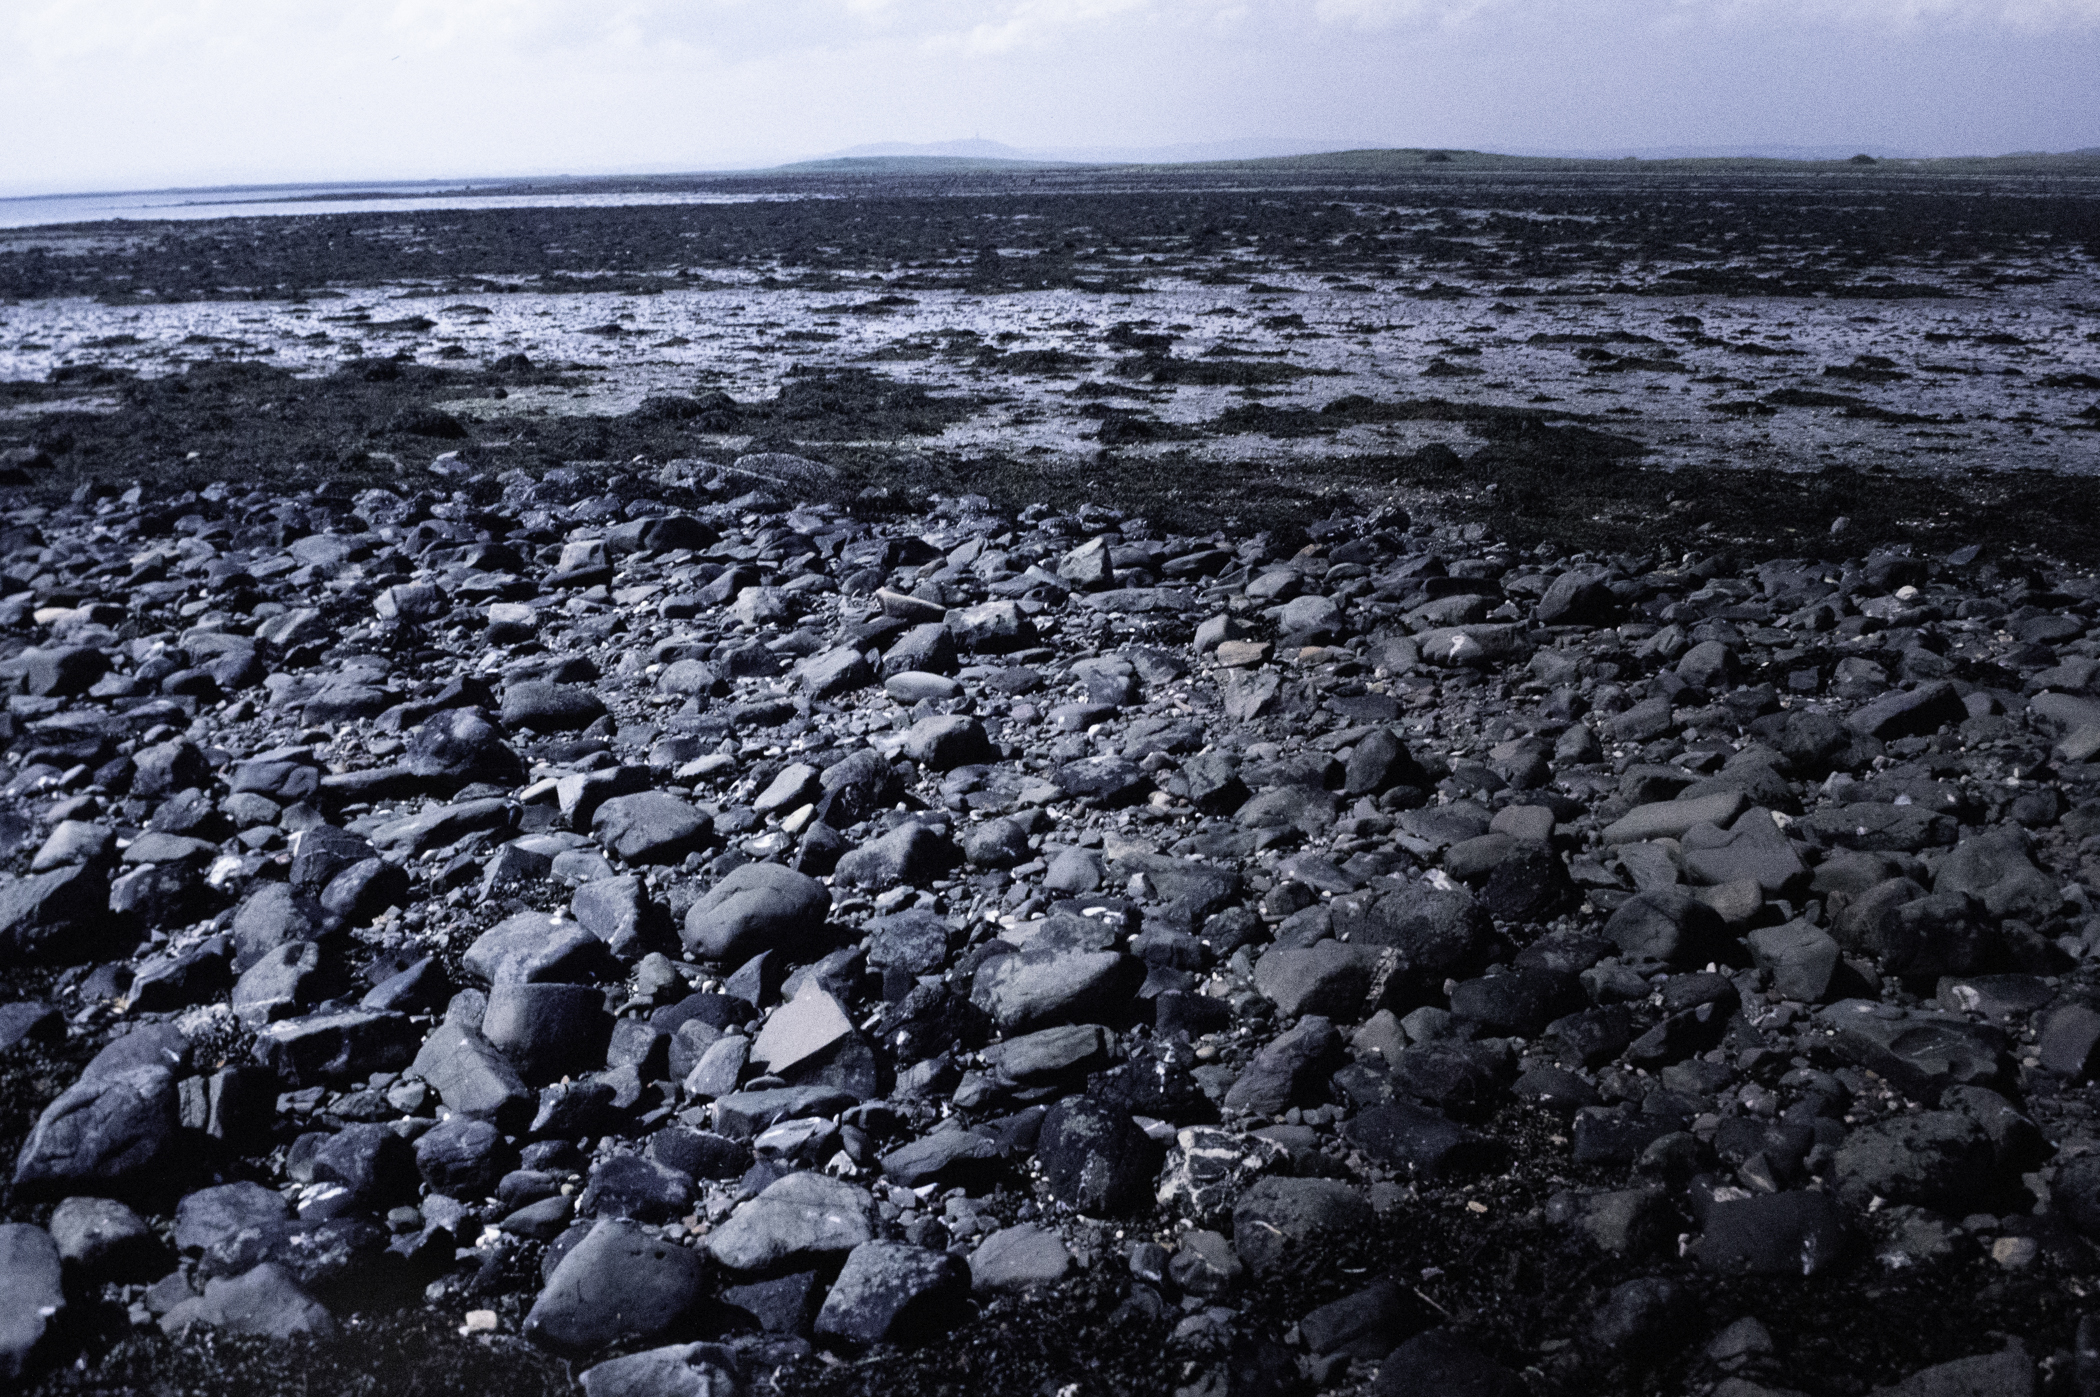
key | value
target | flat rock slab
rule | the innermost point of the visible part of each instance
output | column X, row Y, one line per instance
column 650, row 827
column 803, row 1216
column 1669, row 819
column 677, row 1370
column 1017, row 1258
column 265, row 1301
column 1921, row 1053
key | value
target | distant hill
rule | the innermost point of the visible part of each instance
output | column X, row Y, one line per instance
column 907, row 165
column 973, row 150
column 1181, row 153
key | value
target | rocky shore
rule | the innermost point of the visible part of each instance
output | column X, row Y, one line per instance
column 698, row 930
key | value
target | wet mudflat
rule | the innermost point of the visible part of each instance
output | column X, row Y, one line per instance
column 1066, row 335
column 1059, row 783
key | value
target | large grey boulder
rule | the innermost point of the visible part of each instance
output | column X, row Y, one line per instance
column 757, row 907
column 113, row 1134
column 621, row 1284
column 1038, row 989
column 651, row 827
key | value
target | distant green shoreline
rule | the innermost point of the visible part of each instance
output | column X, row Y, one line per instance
column 1427, row 160
column 1389, row 159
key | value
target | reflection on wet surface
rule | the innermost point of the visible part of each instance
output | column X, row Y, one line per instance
column 1961, row 383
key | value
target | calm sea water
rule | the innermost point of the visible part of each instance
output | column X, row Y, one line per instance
column 286, row 200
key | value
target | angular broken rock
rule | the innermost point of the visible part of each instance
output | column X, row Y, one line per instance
column 896, row 1293
column 802, row 1028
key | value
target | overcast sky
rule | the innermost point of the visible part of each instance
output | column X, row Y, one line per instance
column 110, row 94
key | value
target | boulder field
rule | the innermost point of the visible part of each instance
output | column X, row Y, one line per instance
column 696, row 932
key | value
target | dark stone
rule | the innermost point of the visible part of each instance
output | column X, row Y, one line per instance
column 651, row 827
column 377, row 1166
column 1437, row 1363
column 1795, row 1233
column 545, row 706
column 534, row 947
column 101, row 1240
column 644, row 1190
column 1097, row 1159
column 1643, row 1320
column 1669, row 925
column 336, row 1046
column 911, row 855
column 1289, row 1071
column 1422, row 1141
column 1435, row 932
column 548, row 1030
column 1529, row 884
column 472, row 1078
column 1283, row 1226
column 463, row 1157
column 458, row 746
column 339, row 1260
column 273, row 916
column 757, row 907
